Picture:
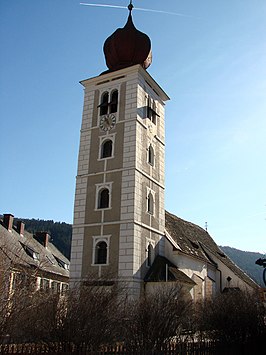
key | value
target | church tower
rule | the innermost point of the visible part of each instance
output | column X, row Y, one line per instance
column 119, row 214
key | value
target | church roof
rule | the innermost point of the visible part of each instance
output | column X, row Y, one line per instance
column 194, row 241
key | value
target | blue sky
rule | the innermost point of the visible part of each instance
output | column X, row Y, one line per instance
column 211, row 62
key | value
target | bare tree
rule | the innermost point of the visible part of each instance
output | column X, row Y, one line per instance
column 233, row 317
column 32, row 316
column 26, row 314
column 91, row 315
column 156, row 319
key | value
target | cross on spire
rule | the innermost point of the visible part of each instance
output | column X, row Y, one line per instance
column 206, row 226
column 130, row 6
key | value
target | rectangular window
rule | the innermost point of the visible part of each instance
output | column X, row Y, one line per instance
column 64, row 287
column 55, row 286
column 44, row 285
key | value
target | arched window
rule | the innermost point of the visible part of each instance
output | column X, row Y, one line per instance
column 151, row 110
column 103, row 201
column 114, row 101
column 151, row 155
column 149, row 258
column 104, row 104
column 150, row 203
column 107, row 149
column 101, row 253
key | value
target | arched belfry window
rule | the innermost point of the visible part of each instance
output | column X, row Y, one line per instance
column 151, row 155
column 107, row 149
column 109, row 102
column 114, row 101
column 103, row 199
column 151, row 110
column 104, row 104
column 150, row 203
column 101, row 253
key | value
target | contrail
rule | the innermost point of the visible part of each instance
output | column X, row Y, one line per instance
column 136, row 8
column 103, row 5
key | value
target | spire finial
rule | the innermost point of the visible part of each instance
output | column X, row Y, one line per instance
column 130, row 6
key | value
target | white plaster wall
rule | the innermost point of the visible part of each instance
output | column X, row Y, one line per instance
column 81, row 188
column 133, row 151
column 127, row 230
column 192, row 266
column 236, row 281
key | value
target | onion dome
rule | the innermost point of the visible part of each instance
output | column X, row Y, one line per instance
column 127, row 46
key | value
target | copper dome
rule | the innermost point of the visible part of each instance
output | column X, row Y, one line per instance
column 127, row 46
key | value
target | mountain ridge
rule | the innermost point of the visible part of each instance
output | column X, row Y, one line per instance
column 246, row 261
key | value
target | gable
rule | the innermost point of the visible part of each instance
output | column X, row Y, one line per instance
column 196, row 242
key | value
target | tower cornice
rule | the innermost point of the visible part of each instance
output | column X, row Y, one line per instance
column 119, row 74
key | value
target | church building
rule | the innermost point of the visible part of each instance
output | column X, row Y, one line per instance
column 121, row 231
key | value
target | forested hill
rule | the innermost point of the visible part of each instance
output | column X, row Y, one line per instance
column 246, row 261
column 61, row 233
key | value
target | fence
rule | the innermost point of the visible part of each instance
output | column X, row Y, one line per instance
column 186, row 348
column 202, row 348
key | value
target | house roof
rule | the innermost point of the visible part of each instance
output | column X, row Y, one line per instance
column 196, row 242
column 25, row 251
column 157, row 272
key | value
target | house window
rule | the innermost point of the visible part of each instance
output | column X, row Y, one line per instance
column 107, row 149
column 19, row 280
column 55, row 287
column 151, row 155
column 31, row 252
column 104, row 104
column 64, row 288
column 101, row 253
column 61, row 263
column 150, row 203
column 114, row 101
column 103, row 201
column 44, row 285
